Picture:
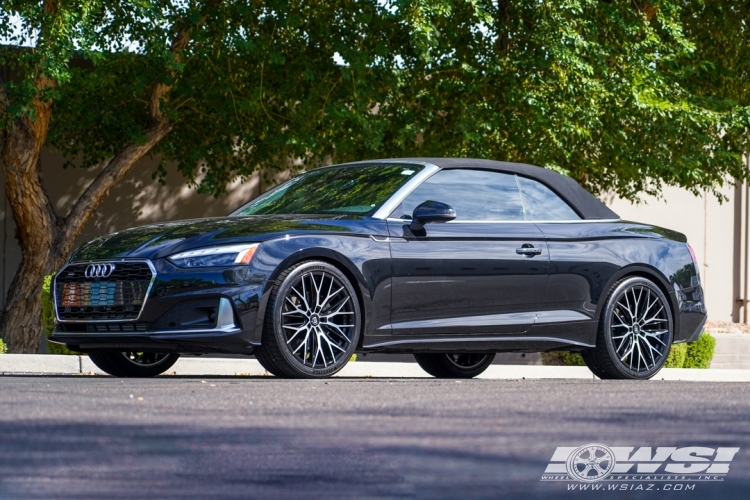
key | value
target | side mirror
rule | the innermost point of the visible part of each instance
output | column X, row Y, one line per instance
column 431, row 211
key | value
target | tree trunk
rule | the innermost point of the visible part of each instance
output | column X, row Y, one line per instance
column 36, row 222
column 22, row 321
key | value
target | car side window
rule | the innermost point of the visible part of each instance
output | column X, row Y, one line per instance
column 541, row 203
column 475, row 195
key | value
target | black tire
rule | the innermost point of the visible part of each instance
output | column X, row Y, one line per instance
column 635, row 333
column 450, row 365
column 332, row 329
column 134, row 364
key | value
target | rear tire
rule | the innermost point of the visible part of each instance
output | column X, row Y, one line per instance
column 449, row 365
column 312, row 323
column 134, row 364
column 635, row 332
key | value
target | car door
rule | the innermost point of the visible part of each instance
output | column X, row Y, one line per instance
column 579, row 264
column 483, row 273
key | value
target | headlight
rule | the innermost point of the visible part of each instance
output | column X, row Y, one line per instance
column 229, row 255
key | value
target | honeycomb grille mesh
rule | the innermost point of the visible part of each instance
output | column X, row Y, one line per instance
column 119, row 296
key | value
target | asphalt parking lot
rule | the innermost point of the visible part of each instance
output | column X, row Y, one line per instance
column 175, row 437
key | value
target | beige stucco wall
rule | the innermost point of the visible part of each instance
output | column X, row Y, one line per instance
column 713, row 229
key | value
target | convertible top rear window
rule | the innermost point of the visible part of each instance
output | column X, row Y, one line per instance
column 355, row 190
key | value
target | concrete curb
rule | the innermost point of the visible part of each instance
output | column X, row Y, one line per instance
column 35, row 364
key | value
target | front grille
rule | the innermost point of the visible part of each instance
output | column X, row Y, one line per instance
column 119, row 296
column 100, row 327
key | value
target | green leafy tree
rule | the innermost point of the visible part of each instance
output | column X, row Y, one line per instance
column 222, row 88
column 612, row 93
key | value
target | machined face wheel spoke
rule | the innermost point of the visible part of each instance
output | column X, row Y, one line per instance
column 649, row 305
column 337, row 308
column 656, row 335
column 655, row 318
column 629, row 351
column 318, row 319
column 297, row 333
column 623, row 321
column 627, row 306
column 637, row 328
column 337, row 330
column 627, row 338
column 651, row 350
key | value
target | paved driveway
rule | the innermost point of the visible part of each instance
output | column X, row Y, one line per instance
column 171, row 437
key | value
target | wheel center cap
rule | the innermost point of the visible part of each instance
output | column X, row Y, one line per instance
column 637, row 330
column 314, row 320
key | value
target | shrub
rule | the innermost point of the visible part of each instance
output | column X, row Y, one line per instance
column 697, row 354
column 48, row 318
column 3, row 347
column 676, row 358
column 701, row 352
column 562, row 358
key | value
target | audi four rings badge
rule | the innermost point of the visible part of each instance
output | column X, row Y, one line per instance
column 99, row 270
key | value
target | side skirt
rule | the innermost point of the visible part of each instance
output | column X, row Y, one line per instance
column 574, row 336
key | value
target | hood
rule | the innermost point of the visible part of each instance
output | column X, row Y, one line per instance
column 166, row 238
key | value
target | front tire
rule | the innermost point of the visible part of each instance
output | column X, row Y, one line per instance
column 635, row 332
column 448, row 365
column 134, row 364
column 312, row 324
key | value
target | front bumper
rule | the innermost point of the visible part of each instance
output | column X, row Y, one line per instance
column 196, row 310
column 230, row 343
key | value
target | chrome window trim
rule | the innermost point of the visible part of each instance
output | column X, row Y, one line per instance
column 576, row 221
column 400, row 195
column 145, row 298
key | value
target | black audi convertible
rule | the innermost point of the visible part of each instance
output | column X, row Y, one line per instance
column 452, row 260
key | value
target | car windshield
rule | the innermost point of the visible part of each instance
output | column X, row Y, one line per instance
column 358, row 190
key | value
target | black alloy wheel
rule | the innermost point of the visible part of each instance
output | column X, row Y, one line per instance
column 312, row 324
column 635, row 332
column 134, row 364
column 454, row 365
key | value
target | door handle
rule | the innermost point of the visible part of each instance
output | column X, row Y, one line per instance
column 528, row 250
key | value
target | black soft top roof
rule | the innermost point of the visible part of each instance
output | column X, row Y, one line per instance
column 583, row 202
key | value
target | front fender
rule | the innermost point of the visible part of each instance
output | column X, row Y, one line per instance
column 365, row 261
